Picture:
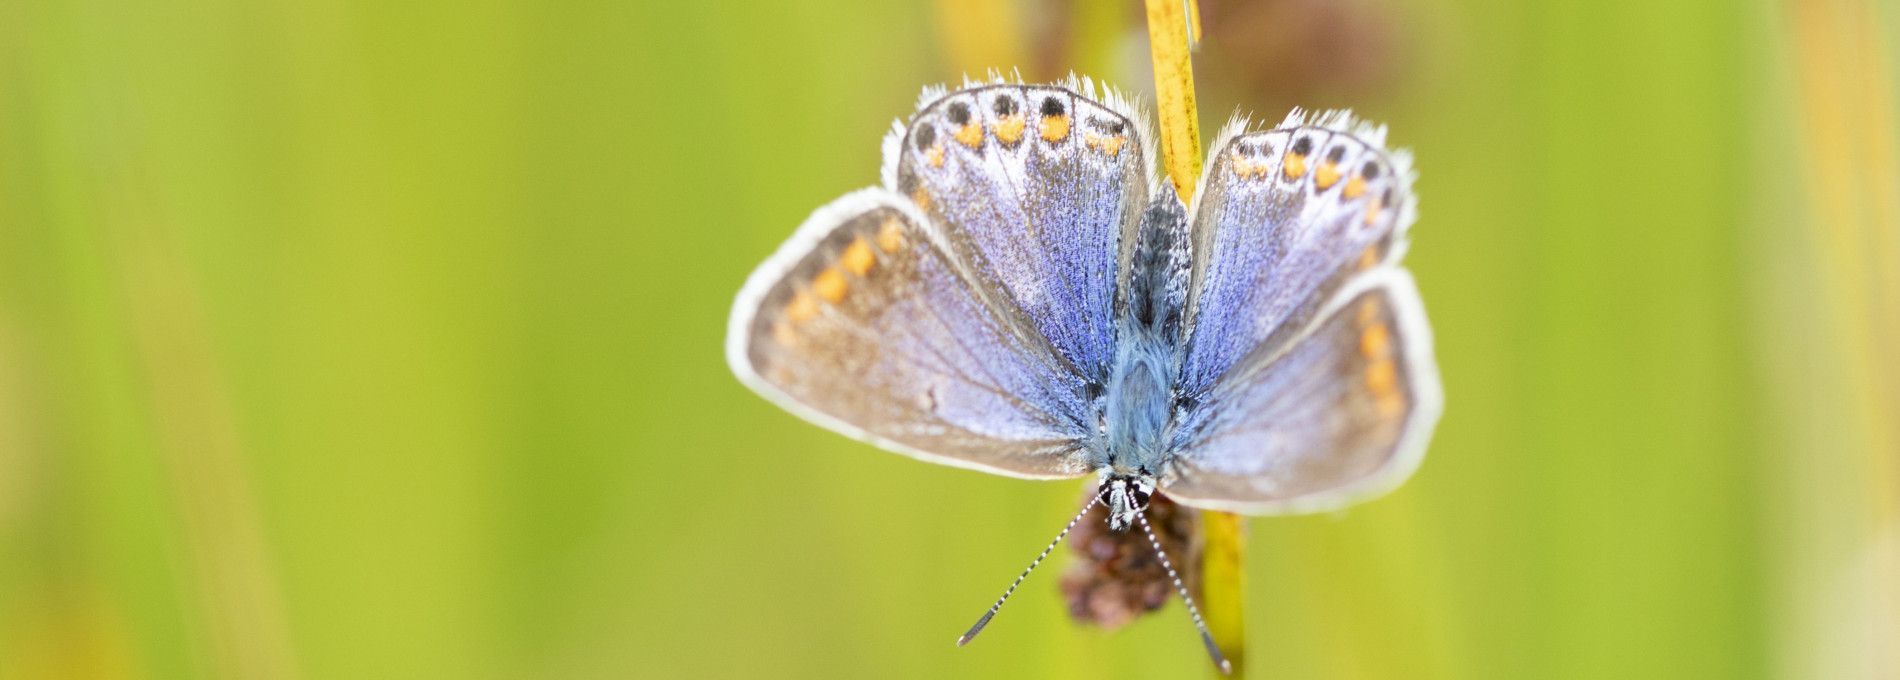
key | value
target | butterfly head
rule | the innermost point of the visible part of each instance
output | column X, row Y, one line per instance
column 1126, row 496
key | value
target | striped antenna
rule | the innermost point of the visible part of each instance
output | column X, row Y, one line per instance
column 1193, row 611
column 985, row 620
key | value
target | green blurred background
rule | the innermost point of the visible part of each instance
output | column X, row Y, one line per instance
column 383, row 340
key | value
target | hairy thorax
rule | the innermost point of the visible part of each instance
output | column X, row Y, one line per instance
column 1139, row 403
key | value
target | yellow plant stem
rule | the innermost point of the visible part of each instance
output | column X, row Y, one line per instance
column 1174, row 94
column 1169, row 25
column 1222, row 583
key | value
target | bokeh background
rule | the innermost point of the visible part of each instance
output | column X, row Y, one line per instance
column 383, row 340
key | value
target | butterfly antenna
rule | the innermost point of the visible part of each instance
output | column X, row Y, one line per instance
column 985, row 620
column 1213, row 650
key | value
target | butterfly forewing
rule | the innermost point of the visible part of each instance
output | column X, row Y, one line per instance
column 1284, row 218
column 861, row 323
column 1341, row 414
column 1036, row 190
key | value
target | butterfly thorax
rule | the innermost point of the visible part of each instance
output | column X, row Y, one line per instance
column 1138, row 406
column 1139, row 403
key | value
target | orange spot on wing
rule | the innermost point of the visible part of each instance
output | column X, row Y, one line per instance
column 1054, row 128
column 858, row 258
column 890, row 236
column 1382, row 380
column 1355, row 188
column 1382, row 370
column 803, row 306
column 1373, row 210
column 1327, row 175
column 921, row 198
column 1369, row 257
column 935, row 155
column 1247, row 168
column 1295, row 166
column 782, row 332
column 1382, row 377
column 1111, row 145
column 1374, row 342
column 830, row 284
column 1010, row 129
column 971, row 135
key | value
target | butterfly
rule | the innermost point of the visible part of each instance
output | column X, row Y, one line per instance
column 1025, row 295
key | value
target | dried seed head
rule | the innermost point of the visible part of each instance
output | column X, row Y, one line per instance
column 1116, row 577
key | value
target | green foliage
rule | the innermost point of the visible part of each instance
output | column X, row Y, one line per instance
column 347, row 340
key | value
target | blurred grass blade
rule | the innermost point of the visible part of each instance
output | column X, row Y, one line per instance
column 980, row 35
column 1843, row 581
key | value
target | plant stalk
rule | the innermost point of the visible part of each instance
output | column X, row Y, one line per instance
column 1173, row 25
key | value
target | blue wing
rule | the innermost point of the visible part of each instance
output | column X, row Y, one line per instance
column 1306, row 378
column 1283, row 218
column 862, row 324
column 1037, row 190
column 1344, row 413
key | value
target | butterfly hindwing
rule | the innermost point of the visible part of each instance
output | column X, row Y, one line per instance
column 1343, row 413
column 863, row 324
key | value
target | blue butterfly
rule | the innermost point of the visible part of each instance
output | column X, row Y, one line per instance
column 1025, row 296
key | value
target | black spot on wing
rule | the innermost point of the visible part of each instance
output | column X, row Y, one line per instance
column 1051, row 106
column 1004, row 105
